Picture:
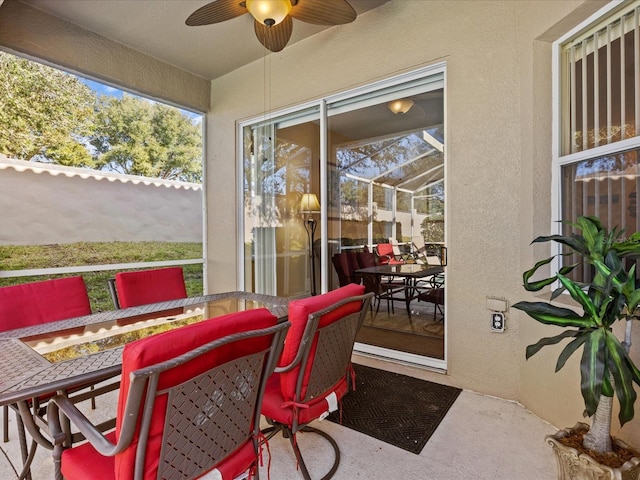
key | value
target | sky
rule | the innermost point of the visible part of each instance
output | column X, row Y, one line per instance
column 103, row 89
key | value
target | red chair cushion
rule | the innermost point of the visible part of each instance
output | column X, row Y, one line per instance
column 299, row 311
column 163, row 346
column 84, row 462
column 385, row 252
column 42, row 302
column 150, row 286
column 273, row 400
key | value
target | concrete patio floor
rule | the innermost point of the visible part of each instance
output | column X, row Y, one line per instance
column 481, row 438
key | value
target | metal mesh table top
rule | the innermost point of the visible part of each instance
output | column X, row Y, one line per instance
column 24, row 373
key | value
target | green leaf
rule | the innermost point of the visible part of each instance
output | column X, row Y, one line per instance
column 579, row 296
column 540, row 284
column 595, row 221
column 535, row 348
column 574, row 242
column 619, row 366
column 607, row 388
column 581, row 338
column 593, row 236
column 552, row 315
column 592, row 369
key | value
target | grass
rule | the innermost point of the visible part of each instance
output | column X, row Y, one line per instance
column 17, row 257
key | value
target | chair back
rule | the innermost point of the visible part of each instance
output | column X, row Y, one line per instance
column 114, row 293
column 42, row 302
column 370, row 281
column 190, row 398
column 366, row 259
column 395, row 247
column 320, row 342
column 314, row 370
column 149, row 286
column 386, row 255
column 346, row 265
column 418, row 244
column 384, row 249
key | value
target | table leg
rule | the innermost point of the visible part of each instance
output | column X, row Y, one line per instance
column 27, row 456
column 410, row 294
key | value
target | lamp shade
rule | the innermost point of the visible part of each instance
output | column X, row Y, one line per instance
column 309, row 203
column 269, row 12
column 402, row 105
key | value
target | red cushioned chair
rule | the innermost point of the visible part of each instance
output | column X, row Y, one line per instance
column 189, row 404
column 41, row 302
column 36, row 303
column 148, row 286
column 386, row 255
column 313, row 372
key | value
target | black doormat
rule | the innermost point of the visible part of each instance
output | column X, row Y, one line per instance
column 397, row 409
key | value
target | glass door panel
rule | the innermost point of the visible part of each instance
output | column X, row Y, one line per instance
column 280, row 163
column 395, row 163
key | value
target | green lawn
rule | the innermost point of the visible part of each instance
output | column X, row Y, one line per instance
column 84, row 253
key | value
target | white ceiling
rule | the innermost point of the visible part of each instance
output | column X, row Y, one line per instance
column 157, row 28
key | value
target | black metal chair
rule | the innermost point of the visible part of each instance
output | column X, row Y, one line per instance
column 383, row 289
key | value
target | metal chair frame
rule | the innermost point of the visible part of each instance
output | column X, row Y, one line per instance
column 331, row 362
column 141, row 399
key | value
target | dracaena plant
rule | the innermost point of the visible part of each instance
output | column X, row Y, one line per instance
column 606, row 369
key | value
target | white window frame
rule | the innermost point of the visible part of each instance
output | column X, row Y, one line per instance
column 559, row 160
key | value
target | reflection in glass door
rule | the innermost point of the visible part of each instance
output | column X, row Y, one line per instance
column 386, row 184
column 280, row 164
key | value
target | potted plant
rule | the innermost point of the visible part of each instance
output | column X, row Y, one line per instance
column 606, row 369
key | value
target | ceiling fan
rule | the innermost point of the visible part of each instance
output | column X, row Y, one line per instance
column 273, row 24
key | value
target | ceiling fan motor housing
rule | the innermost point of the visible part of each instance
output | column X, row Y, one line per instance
column 269, row 12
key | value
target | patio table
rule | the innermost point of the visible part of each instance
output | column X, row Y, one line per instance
column 43, row 359
column 412, row 274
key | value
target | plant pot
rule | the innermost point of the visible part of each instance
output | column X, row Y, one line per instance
column 574, row 465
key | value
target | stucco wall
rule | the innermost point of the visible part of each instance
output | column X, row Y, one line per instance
column 498, row 162
column 45, row 204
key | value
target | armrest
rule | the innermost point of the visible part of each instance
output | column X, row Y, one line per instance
column 60, row 404
column 307, row 336
column 301, row 350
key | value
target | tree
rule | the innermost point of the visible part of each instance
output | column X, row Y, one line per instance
column 44, row 113
column 134, row 136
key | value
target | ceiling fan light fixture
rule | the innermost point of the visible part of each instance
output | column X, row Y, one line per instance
column 400, row 106
column 269, row 12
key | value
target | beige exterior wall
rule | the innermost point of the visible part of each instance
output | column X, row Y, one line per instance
column 498, row 110
column 498, row 117
column 93, row 206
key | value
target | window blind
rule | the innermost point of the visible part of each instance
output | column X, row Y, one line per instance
column 601, row 74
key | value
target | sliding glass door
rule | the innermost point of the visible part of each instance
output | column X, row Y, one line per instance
column 374, row 160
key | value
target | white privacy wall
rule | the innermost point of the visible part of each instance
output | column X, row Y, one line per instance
column 49, row 204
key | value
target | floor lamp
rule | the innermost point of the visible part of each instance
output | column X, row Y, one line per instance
column 309, row 205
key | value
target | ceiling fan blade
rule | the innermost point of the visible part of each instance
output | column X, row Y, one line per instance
column 324, row 12
column 216, row 12
column 274, row 38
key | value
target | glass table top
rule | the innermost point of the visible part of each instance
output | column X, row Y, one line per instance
column 82, row 341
